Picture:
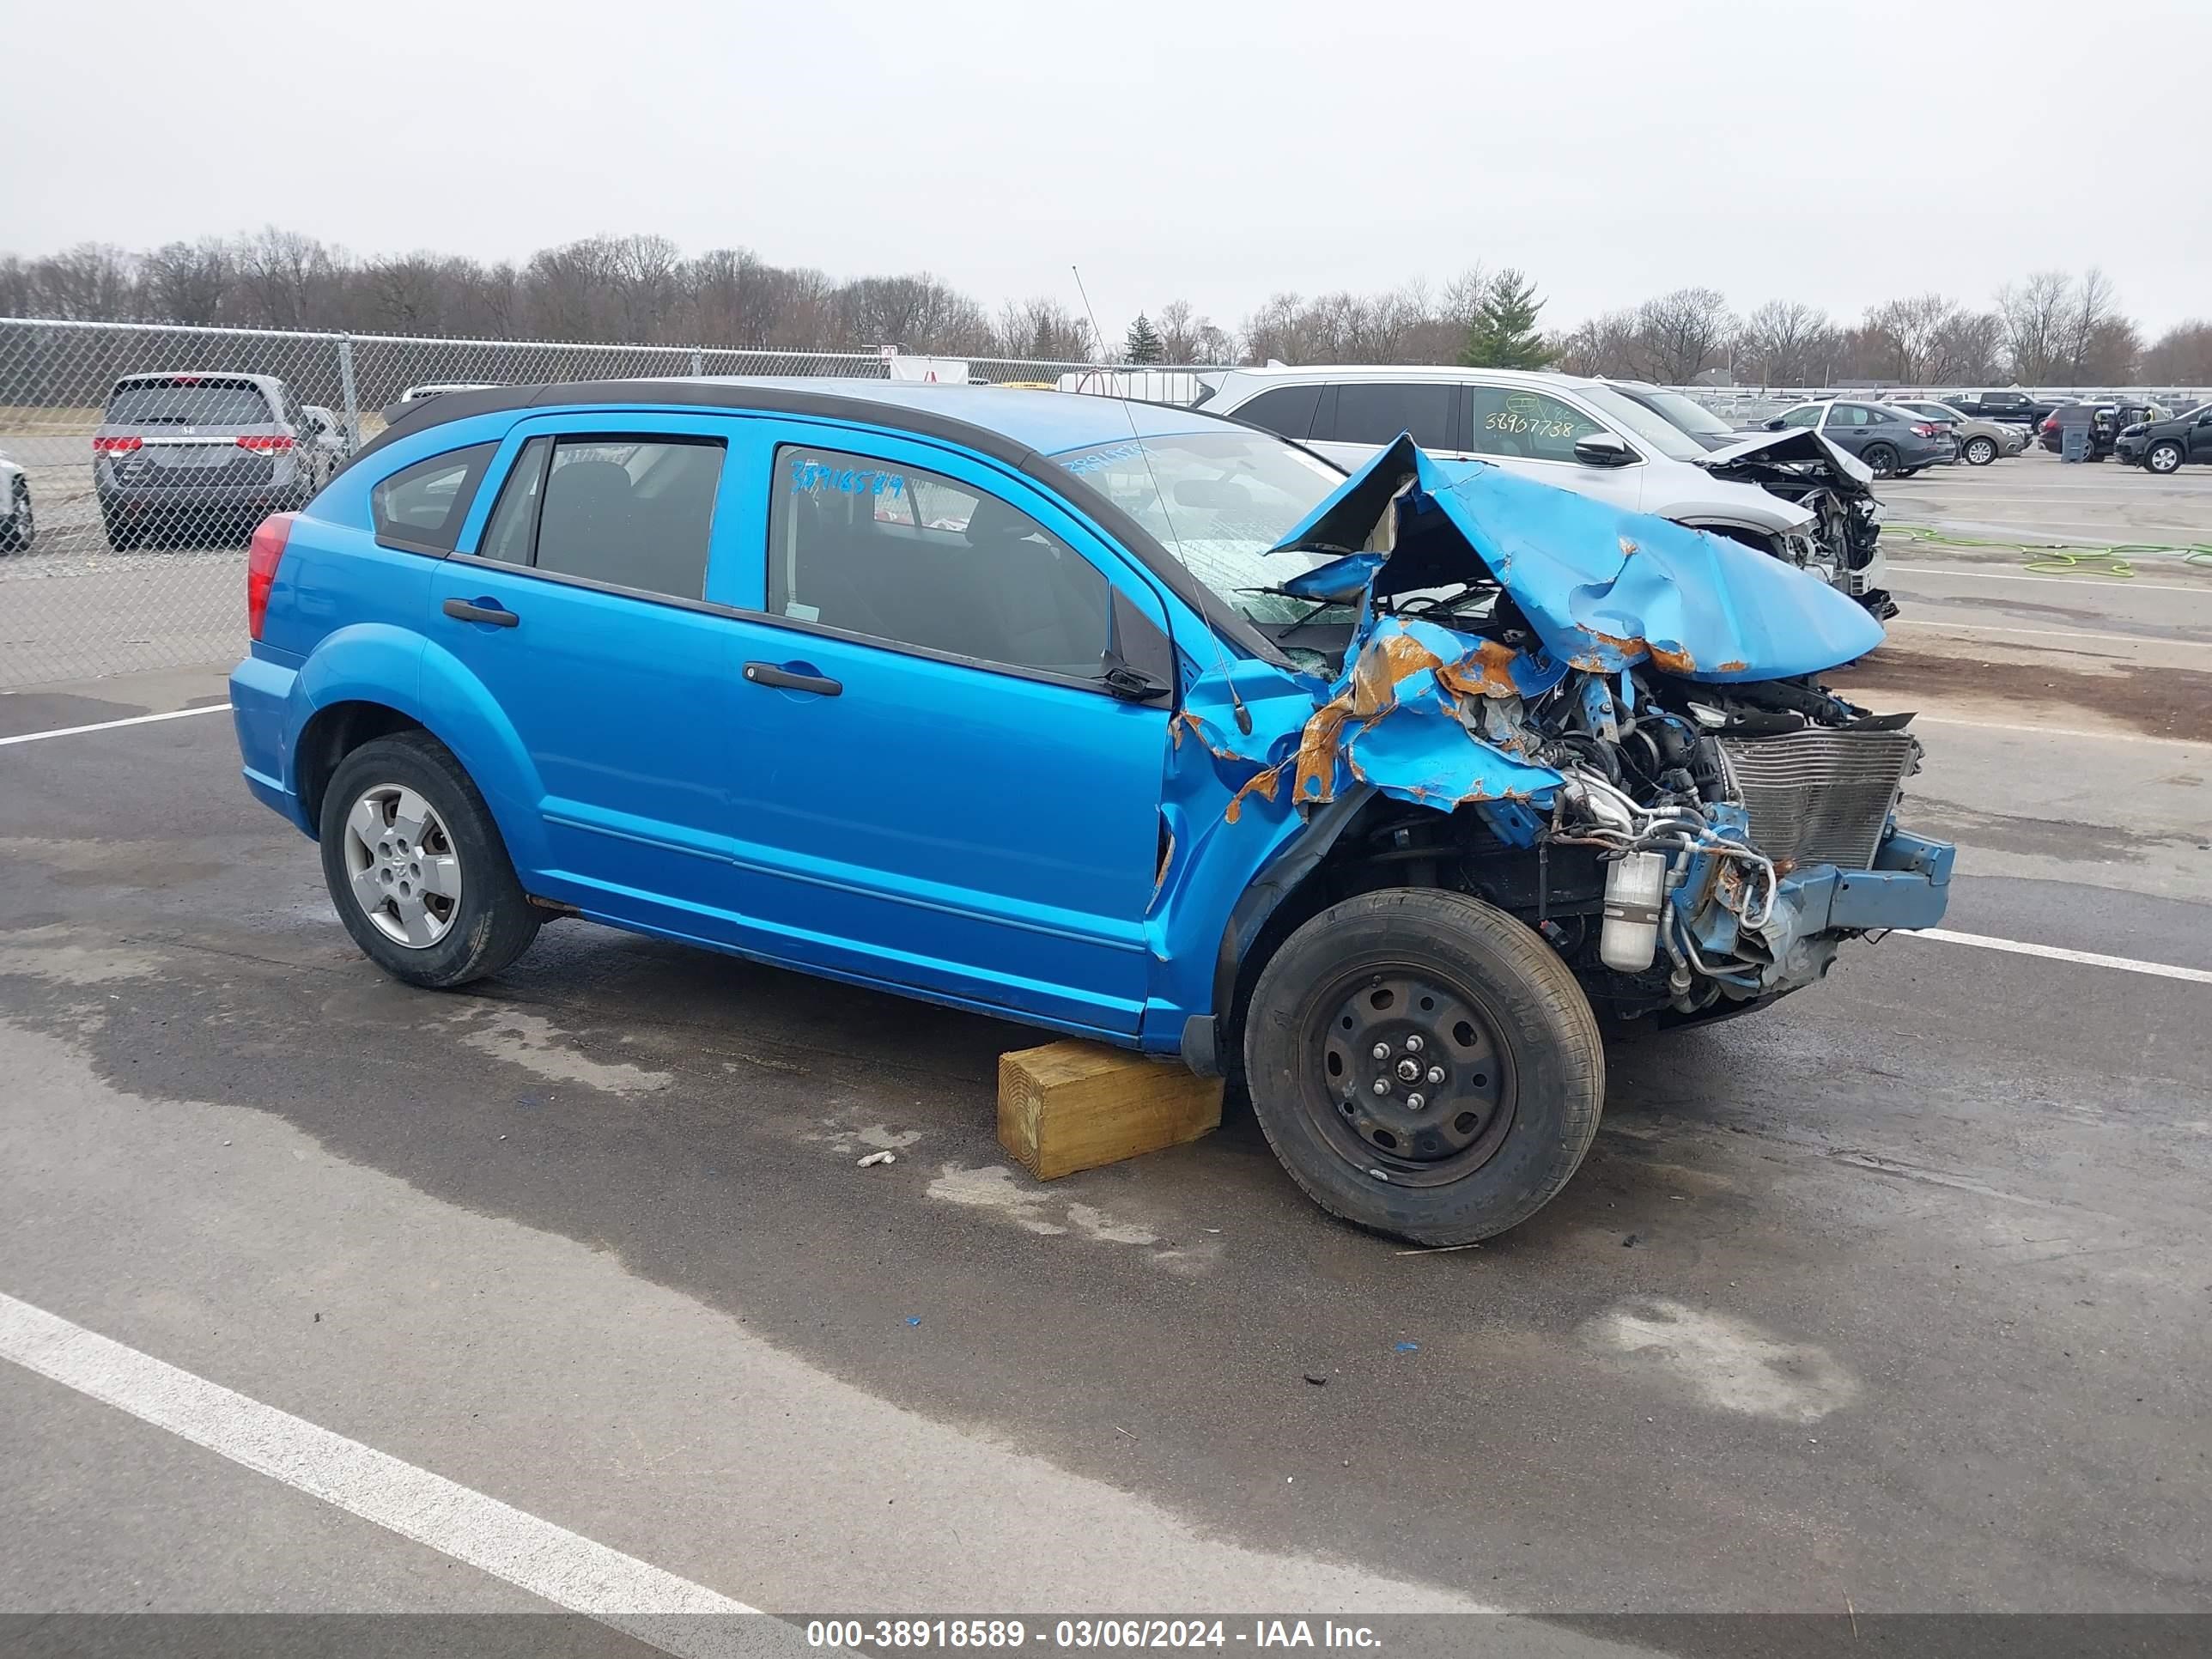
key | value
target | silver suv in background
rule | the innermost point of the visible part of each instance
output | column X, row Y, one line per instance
column 201, row 459
column 1582, row 435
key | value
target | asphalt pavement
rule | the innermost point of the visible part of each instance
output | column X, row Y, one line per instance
column 1893, row 1298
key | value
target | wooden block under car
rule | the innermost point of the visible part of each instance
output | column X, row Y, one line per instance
column 1073, row 1105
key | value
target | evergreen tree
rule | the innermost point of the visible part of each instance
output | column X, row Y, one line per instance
column 1503, row 333
column 1143, row 343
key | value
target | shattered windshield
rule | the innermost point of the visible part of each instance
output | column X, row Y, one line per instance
column 1217, row 501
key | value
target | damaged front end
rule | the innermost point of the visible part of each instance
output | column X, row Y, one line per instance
column 1602, row 723
column 1800, row 466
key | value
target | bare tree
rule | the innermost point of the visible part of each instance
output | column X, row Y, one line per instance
column 1911, row 333
column 2182, row 355
column 92, row 282
column 2112, row 356
column 1606, row 344
column 1192, row 339
column 1786, row 343
column 284, row 278
column 189, row 282
column 1970, row 348
column 2034, row 313
column 1679, row 336
column 1042, row 328
column 2089, row 320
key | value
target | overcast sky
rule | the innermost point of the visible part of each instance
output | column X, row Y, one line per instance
column 1838, row 151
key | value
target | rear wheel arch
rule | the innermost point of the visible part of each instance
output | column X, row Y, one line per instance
column 334, row 732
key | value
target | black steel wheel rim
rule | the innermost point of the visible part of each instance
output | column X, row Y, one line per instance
column 1410, row 1083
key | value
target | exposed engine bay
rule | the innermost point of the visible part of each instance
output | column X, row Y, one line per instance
column 1623, row 742
column 1802, row 466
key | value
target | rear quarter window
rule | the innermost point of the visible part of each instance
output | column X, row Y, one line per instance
column 420, row 507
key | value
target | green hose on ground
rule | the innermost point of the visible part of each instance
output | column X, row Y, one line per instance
column 2079, row 558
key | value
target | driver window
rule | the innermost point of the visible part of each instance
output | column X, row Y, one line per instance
column 1807, row 415
column 911, row 557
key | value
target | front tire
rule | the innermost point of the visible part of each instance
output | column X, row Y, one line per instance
column 416, row 867
column 1506, row 1065
column 1980, row 451
column 2162, row 458
column 1880, row 460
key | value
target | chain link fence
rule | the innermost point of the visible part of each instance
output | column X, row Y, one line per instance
column 136, row 460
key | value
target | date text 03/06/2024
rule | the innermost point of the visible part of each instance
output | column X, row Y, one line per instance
column 1111, row 1634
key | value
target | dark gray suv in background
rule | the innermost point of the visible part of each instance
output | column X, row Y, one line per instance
column 201, row 459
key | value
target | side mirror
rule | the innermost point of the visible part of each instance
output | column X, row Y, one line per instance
column 1602, row 449
column 1774, row 425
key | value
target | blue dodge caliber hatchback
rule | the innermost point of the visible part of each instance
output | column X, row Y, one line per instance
column 1383, row 794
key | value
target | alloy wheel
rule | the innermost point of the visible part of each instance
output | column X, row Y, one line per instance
column 402, row 866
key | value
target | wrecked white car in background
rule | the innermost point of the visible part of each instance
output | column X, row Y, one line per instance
column 1807, row 503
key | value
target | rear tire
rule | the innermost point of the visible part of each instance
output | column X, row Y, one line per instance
column 22, row 526
column 123, row 534
column 406, row 795
column 1980, row 451
column 1880, row 460
column 1508, row 1064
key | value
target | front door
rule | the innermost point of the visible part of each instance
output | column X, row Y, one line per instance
column 578, row 605
column 1534, row 433
column 933, row 785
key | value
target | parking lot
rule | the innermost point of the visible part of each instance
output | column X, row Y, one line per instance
column 1892, row 1299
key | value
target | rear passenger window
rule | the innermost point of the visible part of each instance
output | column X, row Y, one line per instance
column 628, row 512
column 420, row 507
column 1285, row 410
column 1376, row 411
column 899, row 554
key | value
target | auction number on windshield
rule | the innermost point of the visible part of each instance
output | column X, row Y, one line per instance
column 1535, row 427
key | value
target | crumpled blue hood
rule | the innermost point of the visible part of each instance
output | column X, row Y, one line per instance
column 1602, row 587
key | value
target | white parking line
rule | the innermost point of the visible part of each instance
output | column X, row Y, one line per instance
column 2059, row 953
column 2132, row 586
column 2050, row 633
column 565, row 1568
column 109, row 725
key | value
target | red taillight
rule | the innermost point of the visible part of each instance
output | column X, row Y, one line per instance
column 2050, row 423
column 1925, row 430
column 274, row 440
column 116, row 446
column 262, row 555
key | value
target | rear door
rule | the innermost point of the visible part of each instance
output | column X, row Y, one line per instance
column 935, row 789
column 1846, row 425
column 578, row 601
column 1355, row 418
